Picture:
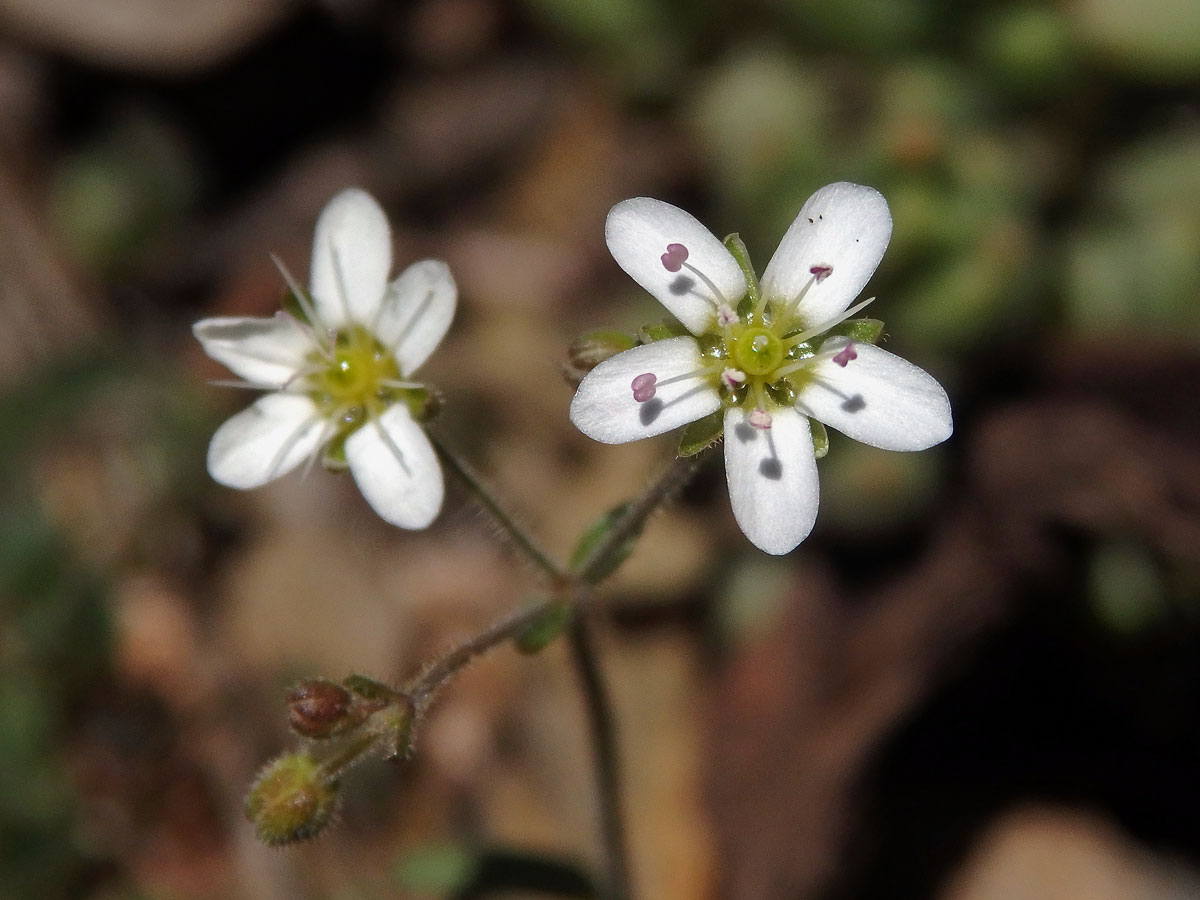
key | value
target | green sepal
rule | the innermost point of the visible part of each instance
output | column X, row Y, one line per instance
column 368, row 688
column 334, row 457
column 592, row 538
column 820, row 439
column 865, row 331
column 539, row 633
column 737, row 248
column 423, row 403
column 295, row 307
column 593, row 347
column 660, row 331
column 702, row 434
column 394, row 726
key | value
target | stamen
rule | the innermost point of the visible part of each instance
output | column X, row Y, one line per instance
column 644, row 387
column 784, row 371
column 327, row 432
column 247, row 385
column 760, row 419
column 301, row 296
column 848, row 353
column 401, row 385
column 733, row 378
column 827, row 324
column 339, row 277
column 819, row 273
column 726, row 315
column 286, row 447
column 675, row 257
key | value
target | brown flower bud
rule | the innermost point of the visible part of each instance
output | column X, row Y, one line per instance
column 318, row 708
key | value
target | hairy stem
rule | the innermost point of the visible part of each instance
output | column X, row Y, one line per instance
column 672, row 477
column 422, row 689
column 608, row 774
column 571, row 585
column 523, row 541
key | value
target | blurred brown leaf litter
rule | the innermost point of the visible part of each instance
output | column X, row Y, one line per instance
column 977, row 678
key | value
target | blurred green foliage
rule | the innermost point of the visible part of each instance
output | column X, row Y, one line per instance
column 54, row 600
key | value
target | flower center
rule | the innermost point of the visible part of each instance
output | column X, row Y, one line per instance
column 358, row 379
column 757, row 351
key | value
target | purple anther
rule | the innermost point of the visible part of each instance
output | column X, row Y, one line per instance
column 848, row 353
column 821, row 272
column 733, row 378
column 760, row 419
column 675, row 257
column 643, row 387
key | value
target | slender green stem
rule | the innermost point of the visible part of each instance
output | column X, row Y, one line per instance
column 608, row 771
column 492, row 506
column 672, row 477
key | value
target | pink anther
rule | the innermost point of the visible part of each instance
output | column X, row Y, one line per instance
column 760, row 419
column 644, row 387
column 848, row 353
column 821, row 272
column 675, row 257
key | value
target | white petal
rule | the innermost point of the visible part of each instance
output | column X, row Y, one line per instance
column 844, row 226
column 416, row 312
column 263, row 351
column 638, row 232
column 265, row 441
column 878, row 398
column 772, row 478
column 604, row 408
column 396, row 469
column 352, row 255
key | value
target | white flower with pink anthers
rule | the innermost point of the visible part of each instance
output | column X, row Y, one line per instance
column 340, row 375
column 769, row 354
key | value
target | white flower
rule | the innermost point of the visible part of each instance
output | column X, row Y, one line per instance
column 762, row 353
column 341, row 381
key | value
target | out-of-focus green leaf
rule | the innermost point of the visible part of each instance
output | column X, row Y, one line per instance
column 1132, row 265
column 1158, row 40
column 1126, row 588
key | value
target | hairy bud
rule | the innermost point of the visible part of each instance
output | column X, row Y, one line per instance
column 592, row 348
column 291, row 800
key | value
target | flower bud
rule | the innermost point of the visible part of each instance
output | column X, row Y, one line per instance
column 592, row 348
column 291, row 800
column 318, row 708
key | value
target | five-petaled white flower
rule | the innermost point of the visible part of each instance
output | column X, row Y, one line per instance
column 341, row 379
column 763, row 353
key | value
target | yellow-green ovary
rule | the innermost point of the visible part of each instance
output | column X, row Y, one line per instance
column 756, row 351
column 355, row 378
